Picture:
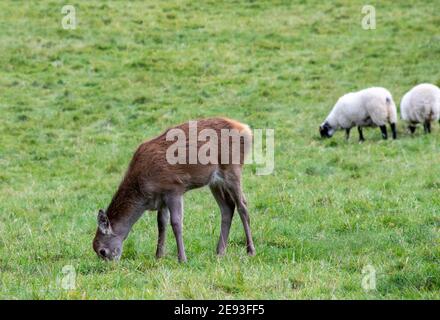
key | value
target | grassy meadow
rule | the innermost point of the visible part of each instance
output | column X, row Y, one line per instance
column 75, row 104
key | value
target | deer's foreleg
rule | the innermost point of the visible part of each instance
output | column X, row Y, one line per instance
column 174, row 202
column 162, row 221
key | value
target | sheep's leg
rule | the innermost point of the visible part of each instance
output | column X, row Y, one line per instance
column 383, row 129
column 361, row 135
column 162, row 220
column 347, row 133
column 393, row 130
column 427, row 126
column 412, row 128
column 174, row 202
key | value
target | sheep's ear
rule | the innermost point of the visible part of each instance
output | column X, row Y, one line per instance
column 103, row 222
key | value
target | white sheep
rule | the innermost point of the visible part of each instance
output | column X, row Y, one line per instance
column 366, row 108
column 421, row 105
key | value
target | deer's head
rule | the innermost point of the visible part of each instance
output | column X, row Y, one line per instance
column 107, row 244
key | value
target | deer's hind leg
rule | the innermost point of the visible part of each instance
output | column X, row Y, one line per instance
column 233, row 186
column 227, row 207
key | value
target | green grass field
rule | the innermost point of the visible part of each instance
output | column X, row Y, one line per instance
column 76, row 103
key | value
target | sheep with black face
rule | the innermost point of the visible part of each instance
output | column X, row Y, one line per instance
column 366, row 108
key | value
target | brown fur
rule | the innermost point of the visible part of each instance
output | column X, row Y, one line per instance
column 149, row 173
column 150, row 178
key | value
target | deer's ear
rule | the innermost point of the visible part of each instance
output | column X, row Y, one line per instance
column 103, row 222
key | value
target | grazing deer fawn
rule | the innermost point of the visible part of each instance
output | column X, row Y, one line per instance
column 155, row 181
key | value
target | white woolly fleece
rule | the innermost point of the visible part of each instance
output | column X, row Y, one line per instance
column 368, row 107
column 421, row 103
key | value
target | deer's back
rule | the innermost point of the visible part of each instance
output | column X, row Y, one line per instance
column 151, row 168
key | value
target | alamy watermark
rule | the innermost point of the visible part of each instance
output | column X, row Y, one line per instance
column 67, row 278
column 369, row 278
column 68, row 22
column 369, row 20
column 227, row 146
